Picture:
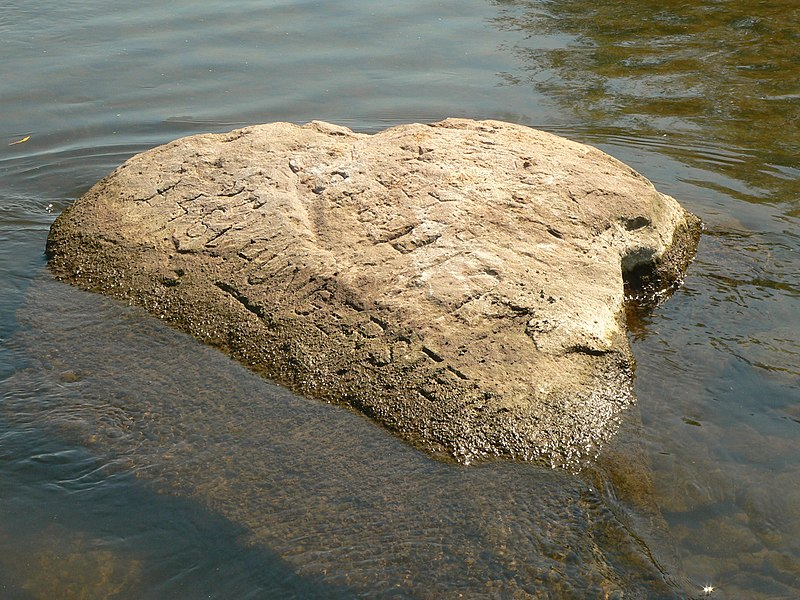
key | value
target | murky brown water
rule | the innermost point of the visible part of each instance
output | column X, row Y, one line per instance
column 137, row 464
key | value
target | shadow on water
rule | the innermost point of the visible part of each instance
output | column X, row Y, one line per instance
column 80, row 526
column 86, row 529
column 308, row 494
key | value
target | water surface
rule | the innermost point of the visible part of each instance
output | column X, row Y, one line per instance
column 136, row 463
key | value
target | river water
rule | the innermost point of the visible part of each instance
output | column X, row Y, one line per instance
column 135, row 463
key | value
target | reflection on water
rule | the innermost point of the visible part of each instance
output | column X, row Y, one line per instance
column 704, row 98
column 337, row 498
column 725, row 71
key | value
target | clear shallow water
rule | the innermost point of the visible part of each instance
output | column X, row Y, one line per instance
column 332, row 505
column 135, row 464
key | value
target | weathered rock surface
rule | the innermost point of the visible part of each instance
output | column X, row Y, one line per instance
column 460, row 282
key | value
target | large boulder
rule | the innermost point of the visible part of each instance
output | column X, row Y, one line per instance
column 462, row 283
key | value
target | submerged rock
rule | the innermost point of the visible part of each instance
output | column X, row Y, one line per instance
column 462, row 283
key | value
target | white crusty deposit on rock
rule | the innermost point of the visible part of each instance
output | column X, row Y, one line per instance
column 460, row 282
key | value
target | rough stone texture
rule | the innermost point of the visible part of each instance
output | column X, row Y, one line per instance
column 460, row 282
